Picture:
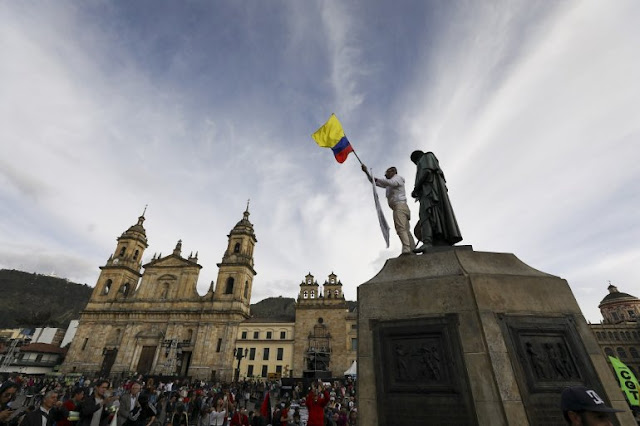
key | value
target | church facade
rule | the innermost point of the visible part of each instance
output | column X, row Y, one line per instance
column 150, row 319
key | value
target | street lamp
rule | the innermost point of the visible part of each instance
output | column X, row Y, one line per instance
column 237, row 352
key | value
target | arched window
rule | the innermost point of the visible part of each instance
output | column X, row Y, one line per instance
column 305, row 294
column 122, row 250
column 229, row 288
column 246, row 289
column 107, row 286
column 135, row 255
column 610, row 336
column 313, row 294
column 621, row 353
column 189, row 336
column 329, row 294
column 236, row 248
column 336, row 293
column 634, row 352
column 609, row 352
column 598, row 335
column 125, row 289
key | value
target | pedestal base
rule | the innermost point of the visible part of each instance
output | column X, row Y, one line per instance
column 458, row 337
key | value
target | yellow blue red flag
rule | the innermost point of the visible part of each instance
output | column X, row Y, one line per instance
column 331, row 135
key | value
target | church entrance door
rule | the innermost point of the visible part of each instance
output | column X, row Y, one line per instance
column 107, row 362
column 145, row 363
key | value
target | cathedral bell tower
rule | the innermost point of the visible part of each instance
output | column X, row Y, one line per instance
column 120, row 275
column 235, row 273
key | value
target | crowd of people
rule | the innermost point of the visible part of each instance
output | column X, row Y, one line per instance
column 140, row 401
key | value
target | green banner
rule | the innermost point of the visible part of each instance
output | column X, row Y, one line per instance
column 628, row 382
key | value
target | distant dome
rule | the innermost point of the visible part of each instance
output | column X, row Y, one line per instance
column 616, row 296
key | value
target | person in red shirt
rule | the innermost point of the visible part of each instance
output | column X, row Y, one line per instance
column 316, row 400
column 240, row 418
column 72, row 404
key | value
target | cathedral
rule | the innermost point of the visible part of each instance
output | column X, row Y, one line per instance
column 155, row 322
column 149, row 319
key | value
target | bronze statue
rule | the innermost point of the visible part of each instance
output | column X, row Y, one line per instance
column 437, row 225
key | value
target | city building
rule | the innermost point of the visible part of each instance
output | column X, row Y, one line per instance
column 619, row 333
column 150, row 319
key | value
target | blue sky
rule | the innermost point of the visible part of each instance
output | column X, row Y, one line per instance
column 533, row 109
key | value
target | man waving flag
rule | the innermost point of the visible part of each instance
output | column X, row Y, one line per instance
column 331, row 135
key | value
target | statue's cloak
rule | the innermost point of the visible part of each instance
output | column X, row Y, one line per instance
column 435, row 206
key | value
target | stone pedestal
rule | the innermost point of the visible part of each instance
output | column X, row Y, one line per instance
column 459, row 337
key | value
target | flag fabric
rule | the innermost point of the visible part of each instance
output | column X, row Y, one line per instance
column 628, row 381
column 383, row 222
column 265, row 408
column 331, row 135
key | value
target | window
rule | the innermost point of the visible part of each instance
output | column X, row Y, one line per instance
column 634, row 352
column 279, row 369
column 265, row 354
column 219, row 345
column 256, row 334
column 246, row 289
column 621, row 353
column 354, row 326
column 135, row 255
column 269, row 334
column 615, row 316
column 313, row 294
column 107, row 286
column 609, row 352
column 280, row 354
column 305, row 294
column 84, row 344
column 39, row 358
column 354, row 344
column 336, row 293
column 283, row 334
column 252, row 354
column 236, row 248
column 632, row 313
column 264, row 371
column 250, row 370
column 122, row 251
column 244, row 335
column 125, row 289
column 229, row 288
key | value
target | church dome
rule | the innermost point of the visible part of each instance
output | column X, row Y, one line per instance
column 617, row 307
column 616, row 296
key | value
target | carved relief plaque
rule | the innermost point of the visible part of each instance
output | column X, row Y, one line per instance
column 420, row 372
column 548, row 355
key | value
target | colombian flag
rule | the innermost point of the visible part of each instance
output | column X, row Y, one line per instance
column 331, row 135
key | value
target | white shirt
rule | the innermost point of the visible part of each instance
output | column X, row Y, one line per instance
column 95, row 419
column 216, row 418
column 44, row 419
column 394, row 189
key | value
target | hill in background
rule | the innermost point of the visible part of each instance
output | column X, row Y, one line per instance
column 34, row 300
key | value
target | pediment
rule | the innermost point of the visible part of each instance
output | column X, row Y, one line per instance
column 171, row 261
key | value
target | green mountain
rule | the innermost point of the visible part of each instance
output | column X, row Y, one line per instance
column 33, row 300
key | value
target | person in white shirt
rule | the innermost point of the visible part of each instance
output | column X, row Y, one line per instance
column 397, row 199
column 219, row 414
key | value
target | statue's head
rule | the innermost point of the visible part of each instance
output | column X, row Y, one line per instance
column 415, row 156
